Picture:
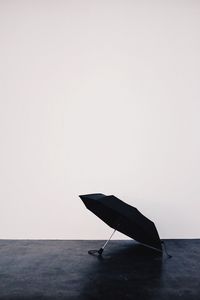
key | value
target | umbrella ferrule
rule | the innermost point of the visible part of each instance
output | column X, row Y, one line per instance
column 165, row 248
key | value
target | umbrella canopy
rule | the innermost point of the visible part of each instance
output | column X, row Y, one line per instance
column 124, row 218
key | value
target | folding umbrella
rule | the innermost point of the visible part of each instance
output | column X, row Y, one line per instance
column 123, row 218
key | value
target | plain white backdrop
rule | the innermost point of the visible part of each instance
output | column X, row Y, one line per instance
column 98, row 96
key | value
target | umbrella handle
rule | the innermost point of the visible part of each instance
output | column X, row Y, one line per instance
column 92, row 252
column 100, row 251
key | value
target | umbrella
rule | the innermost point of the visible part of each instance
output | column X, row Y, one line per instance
column 123, row 218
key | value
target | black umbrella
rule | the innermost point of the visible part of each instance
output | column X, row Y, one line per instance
column 124, row 218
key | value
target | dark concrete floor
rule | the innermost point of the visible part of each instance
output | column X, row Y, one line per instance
column 64, row 270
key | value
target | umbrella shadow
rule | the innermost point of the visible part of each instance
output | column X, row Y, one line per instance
column 125, row 271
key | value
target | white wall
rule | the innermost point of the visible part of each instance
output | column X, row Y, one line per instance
column 98, row 96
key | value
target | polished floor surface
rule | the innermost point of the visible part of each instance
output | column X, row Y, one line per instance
column 62, row 269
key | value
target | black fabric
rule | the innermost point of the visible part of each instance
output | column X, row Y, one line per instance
column 123, row 217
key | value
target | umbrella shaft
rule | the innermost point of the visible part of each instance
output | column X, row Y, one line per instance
column 108, row 239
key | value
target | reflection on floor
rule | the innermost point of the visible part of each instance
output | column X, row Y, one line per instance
column 62, row 269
